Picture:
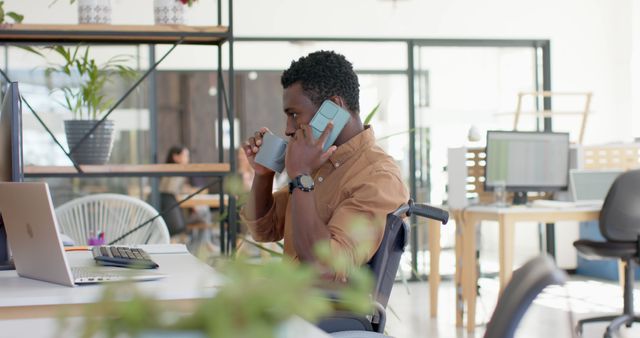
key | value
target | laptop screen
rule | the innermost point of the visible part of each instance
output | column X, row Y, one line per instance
column 592, row 185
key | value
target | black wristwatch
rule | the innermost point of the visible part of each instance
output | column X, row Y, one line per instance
column 302, row 182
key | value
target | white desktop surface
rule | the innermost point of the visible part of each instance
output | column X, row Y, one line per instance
column 533, row 209
column 187, row 279
column 29, row 308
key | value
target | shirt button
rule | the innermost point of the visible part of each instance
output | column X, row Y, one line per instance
column 337, row 164
column 320, row 179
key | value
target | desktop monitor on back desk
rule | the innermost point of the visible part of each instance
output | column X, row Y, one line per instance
column 527, row 161
column 10, row 151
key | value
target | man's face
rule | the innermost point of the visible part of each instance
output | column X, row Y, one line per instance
column 298, row 108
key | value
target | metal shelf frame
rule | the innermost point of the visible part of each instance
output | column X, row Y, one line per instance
column 30, row 34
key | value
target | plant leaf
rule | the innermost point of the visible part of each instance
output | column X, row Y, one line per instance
column 263, row 248
column 15, row 16
column 31, row 50
column 371, row 114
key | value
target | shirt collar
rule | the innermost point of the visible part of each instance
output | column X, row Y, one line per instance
column 362, row 140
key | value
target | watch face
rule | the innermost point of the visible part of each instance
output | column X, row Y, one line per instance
column 306, row 181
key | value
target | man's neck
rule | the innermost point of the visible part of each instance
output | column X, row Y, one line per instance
column 351, row 129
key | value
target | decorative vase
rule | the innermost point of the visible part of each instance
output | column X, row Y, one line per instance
column 96, row 148
column 94, row 11
column 168, row 12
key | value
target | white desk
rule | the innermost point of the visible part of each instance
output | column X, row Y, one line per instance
column 187, row 279
column 28, row 308
column 466, row 221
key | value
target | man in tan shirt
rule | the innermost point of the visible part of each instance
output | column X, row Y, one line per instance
column 351, row 182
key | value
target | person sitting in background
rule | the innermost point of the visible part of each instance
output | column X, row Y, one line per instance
column 179, row 186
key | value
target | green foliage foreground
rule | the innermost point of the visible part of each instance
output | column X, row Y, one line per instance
column 254, row 300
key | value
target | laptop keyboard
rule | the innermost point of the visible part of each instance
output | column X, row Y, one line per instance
column 123, row 256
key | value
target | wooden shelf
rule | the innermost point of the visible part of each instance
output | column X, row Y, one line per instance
column 126, row 170
column 120, row 34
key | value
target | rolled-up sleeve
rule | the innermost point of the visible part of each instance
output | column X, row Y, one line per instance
column 270, row 227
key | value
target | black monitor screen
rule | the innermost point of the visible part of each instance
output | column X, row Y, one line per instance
column 527, row 161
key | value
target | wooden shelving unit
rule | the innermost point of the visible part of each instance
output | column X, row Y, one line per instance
column 119, row 34
column 127, row 170
column 30, row 34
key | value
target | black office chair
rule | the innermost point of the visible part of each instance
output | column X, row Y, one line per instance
column 620, row 226
column 525, row 285
column 174, row 218
column 384, row 265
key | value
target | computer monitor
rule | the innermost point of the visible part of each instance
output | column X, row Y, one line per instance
column 10, row 152
column 527, row 161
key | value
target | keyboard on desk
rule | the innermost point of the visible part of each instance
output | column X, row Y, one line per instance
column 123, row 256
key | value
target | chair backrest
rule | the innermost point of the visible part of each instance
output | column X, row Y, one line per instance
column 174, row 218
column 525, row 285
column 114, row 214
column 386, row 260
column 620, row 214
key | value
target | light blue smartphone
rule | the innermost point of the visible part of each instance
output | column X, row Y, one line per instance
column 329, row 111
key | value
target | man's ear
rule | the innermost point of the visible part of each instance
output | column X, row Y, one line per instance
column 339, row 101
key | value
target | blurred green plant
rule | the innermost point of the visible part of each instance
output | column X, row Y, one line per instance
column 371, row 114
column 17, row 18
column 84, row 95
column 254, row 300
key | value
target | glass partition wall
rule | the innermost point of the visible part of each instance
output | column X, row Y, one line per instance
column 430, row 94
column 469, row 90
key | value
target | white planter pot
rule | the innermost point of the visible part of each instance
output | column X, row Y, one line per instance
column 168, row 12
column 94, row 11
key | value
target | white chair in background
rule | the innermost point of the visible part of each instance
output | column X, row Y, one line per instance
column 113, row 214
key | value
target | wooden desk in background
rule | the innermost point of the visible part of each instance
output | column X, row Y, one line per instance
column 211, row 200
column 506, row 218
column 466, row 220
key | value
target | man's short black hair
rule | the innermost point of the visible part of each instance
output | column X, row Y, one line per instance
column 324, row 74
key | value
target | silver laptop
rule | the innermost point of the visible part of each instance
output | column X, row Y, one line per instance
column 32, row 234
column 590, row 187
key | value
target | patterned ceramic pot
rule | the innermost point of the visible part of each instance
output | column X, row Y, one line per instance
column 94, row 11
column 168, row 12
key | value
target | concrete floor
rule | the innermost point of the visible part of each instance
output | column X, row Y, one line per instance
column 550, row 316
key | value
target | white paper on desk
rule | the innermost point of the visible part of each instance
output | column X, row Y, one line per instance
column 163, row 248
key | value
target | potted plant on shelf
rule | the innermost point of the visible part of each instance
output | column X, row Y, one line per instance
column 85, row 97
column 170, row 12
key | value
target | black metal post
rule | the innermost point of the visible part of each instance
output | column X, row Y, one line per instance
column 153, row 126
column 546, row 86
column 413, row 187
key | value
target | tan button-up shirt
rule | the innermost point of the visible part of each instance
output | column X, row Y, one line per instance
column 358, row 182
